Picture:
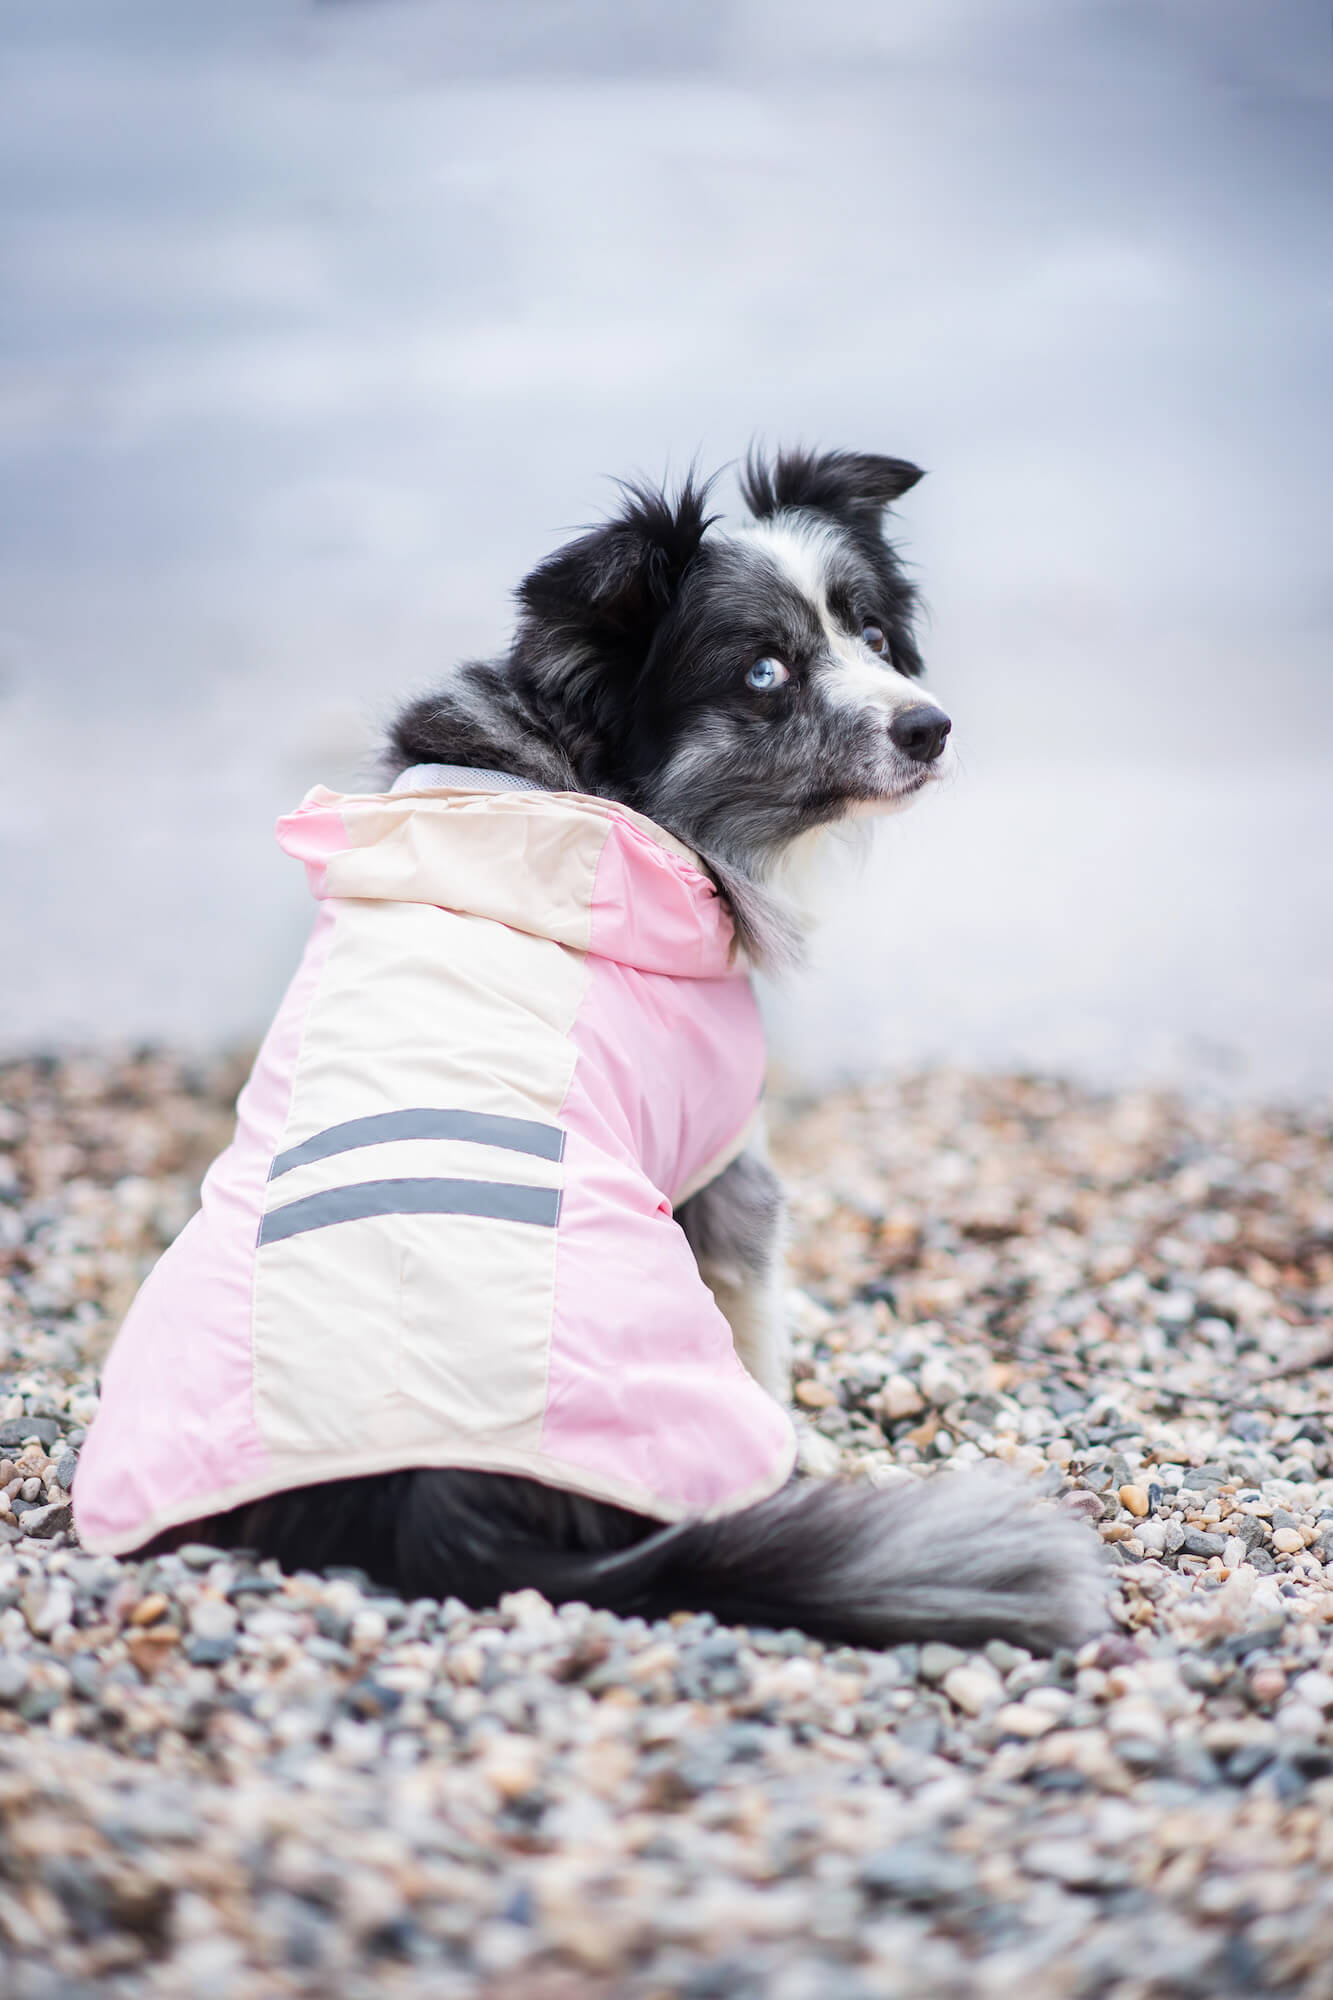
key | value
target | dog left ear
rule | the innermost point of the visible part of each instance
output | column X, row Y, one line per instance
column 613, row 584
column 849, row 485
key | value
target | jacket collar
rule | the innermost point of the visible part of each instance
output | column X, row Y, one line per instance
column 459, row 777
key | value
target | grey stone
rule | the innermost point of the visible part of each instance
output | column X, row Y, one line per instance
column 199, row 1555
column 1246, row 1760
column 15, row 1432
column 920, row 1730
column 1246, row 1528
column 43, row 1522
column 15, row 1674
column 917, row 1875
column 206, row 1652
column 937, row 1660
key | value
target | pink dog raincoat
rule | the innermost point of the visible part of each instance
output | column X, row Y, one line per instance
column 443, row 1234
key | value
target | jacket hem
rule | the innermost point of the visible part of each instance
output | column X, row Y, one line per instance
column 532, row 1465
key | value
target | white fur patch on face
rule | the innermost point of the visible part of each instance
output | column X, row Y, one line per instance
column 858, row 680
column 802, row 549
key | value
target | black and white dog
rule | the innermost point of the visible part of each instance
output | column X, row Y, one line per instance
column 742, row 691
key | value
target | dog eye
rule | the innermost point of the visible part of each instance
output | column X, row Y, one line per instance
column 765, row 675
column 872, row 636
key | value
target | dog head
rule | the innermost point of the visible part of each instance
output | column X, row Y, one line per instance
column 740, row 689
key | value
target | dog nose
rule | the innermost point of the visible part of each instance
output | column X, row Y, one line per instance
column 920, row 732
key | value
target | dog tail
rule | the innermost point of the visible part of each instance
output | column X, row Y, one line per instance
column 963, row 1557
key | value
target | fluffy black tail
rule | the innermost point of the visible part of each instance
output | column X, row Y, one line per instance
column 963, row 1557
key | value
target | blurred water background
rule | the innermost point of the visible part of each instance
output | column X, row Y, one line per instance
column 320, row 323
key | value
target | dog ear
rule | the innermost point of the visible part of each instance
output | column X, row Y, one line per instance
column 849, row 485
column 614, row 583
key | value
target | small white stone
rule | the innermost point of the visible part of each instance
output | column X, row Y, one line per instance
column 1072, row 1862
column 369, row 1631
column 501, row 1947
column 55, row 1608
column 1316, row 1688
column 1051, row 1701
column 939, row 1383
column 900, row 1398
column 973, row 1688
column 212, row 1618
column 511, row 1764
column 1019, row 1718
column 1133, row 1717
column 816, row 1454
column 1298, row 1718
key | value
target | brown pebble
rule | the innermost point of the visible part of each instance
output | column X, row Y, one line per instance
column 150, row 1649
column 815, row 1395
column 149, row 1609
column 1135, row 1499
column 924, row 1434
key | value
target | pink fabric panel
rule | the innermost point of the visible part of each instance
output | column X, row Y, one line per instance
column 177, row 1416
column 673, row 1069
column 312, row 833
column 652, row 909
column 644, row 1388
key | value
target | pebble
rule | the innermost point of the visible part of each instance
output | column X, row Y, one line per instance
column 816, row 1395
column 215, row 1780
column 900, row 1398
column 1071, row 1862
column 1315, row 1688
column 213, row 1618
column 937, row 1659
column 973, row 1688
column 1020, row 1718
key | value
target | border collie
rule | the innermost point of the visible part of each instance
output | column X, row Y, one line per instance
column 741, row 690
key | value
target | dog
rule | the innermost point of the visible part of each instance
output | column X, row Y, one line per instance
column 729, row 697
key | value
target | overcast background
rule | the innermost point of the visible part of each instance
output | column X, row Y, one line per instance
column 320, row 323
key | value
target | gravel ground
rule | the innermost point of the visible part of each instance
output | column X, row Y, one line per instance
column 219, row 1781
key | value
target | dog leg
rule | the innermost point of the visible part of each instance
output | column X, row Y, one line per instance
column 735, row 1228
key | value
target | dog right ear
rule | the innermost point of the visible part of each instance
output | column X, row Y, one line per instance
column 853, row 486
column 613, row 584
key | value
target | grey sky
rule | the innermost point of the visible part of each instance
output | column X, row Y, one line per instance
column 319, row 323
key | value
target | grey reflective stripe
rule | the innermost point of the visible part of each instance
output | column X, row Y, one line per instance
column 499, row 1201
column 516, row 1135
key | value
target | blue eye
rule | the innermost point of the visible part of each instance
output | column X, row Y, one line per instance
column 765, row 675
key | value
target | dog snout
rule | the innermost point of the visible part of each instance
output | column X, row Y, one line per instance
column 920, row 732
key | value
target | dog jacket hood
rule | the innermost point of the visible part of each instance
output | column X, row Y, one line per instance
column 442, row 1234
